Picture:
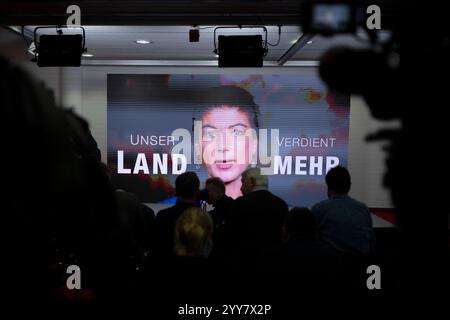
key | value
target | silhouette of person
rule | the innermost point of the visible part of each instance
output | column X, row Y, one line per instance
column 255, row 219
column 344, row 222
column 187, row 187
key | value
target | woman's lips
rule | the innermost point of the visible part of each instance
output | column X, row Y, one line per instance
column 224, row 165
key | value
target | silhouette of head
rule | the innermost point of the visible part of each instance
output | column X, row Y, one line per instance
column 338, row 180
column 252, row 178
column 215, row 189
column 187, row 185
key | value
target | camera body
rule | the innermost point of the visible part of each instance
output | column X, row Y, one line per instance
column 367, row 72
column 329, row 17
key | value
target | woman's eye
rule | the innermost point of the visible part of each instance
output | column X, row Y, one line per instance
column 209, row 134
column 238, row 132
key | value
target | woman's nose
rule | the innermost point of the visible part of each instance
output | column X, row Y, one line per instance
column 225, row 142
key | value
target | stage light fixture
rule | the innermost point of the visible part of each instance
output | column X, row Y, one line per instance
column 241, row 51
column 59, row 50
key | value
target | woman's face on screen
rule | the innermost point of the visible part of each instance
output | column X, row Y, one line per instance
column 228, row 145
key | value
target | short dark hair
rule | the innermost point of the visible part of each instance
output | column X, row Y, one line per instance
column 187, row 185
column 229, row 95
column 217, row 182
column 338, row 180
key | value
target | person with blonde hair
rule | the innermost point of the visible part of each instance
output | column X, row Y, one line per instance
column 193, row 233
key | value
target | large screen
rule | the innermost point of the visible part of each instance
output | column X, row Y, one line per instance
column 161, row 125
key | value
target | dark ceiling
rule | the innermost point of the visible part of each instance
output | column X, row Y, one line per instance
column 169, row 12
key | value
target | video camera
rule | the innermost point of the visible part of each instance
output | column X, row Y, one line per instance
column 331, row 17
column 372, row 71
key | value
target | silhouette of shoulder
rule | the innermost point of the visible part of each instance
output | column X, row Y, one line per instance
column 339, row 201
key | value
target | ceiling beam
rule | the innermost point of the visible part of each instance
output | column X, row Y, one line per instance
column 185, row 63
column 157, row 12
column 173, row 12
column 298, row 45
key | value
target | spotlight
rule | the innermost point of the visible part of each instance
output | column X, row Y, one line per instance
column 241, row 51
column 60, row 50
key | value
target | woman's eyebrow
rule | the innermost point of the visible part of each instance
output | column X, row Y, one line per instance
column 237, row 125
